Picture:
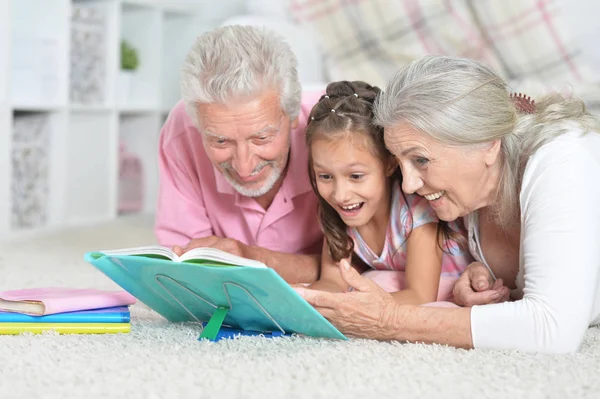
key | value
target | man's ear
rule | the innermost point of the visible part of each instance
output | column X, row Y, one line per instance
column 392, row 165
column 295, row 123
column 492, row 153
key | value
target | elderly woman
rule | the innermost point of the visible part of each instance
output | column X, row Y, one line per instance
column 526, row 179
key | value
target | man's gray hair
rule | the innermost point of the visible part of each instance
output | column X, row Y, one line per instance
column 237, row 62
column 462, row 102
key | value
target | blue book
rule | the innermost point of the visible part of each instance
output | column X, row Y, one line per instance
column 107, row 315
column 244, row 294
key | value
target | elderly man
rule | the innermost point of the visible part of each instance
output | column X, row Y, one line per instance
column 232, row 156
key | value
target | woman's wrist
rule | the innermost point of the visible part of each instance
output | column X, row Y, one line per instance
column 393, row 322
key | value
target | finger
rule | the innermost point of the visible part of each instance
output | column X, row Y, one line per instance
column 327, row 313
column 481, row 278
column 178, row 250
column 503, row 294
column 499, row 283
column 208, row 241
column 353, row 279
column 318, row 298
column 462, row 290
column 481, row 298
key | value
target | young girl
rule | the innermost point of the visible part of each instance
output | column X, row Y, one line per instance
column 363, row 210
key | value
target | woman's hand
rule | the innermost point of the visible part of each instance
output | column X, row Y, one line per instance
column 476, row 286
column 367, row 311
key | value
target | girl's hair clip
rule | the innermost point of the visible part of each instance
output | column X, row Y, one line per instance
column 355, row 95
column 326, row 96
column 333, row 110
column 523, row 103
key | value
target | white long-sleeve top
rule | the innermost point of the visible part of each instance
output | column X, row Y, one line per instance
column 559, row 270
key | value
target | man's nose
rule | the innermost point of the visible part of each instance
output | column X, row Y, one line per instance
column 411, row 181
column 243, row 161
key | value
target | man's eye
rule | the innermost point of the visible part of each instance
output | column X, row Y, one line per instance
column 219, row 142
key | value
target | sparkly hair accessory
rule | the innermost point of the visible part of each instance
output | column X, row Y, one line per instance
column 523, row 103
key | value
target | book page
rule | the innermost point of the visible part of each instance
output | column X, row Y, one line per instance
column 155, row 250
column 216, row 255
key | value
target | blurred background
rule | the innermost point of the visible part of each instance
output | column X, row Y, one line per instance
column 85, row 85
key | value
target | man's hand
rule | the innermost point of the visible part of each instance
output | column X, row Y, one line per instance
column 293, row 268
column 476, row 286
column 224, row 244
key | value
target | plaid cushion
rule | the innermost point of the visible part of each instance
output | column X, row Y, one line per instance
column 524, row 40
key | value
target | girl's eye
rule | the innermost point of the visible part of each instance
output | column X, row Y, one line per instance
column 421, row 161
column 324, row 176
column 356, row 176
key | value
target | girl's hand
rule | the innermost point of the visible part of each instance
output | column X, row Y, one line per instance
column 367, row 311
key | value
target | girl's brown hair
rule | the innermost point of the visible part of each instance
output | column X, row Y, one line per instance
column 345, row 111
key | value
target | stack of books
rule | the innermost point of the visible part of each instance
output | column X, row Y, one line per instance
column 65, row 311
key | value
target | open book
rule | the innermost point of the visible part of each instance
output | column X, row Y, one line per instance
column 207, row 285
column 206, row 255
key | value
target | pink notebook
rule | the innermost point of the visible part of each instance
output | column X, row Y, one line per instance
column 44, row 301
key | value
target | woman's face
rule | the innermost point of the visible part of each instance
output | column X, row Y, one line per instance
column 455, row 180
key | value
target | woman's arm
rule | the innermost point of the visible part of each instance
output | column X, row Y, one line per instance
column 423, row 267
column 370, row 312
column 560, row 236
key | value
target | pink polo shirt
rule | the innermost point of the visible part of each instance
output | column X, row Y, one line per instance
column 195, row 200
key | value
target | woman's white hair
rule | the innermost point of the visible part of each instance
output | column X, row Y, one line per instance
column 237, row 62
column 462, row 102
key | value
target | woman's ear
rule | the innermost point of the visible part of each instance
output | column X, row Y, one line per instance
column 492, row 153
column 392, row 165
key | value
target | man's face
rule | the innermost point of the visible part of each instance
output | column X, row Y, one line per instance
column 248, row 142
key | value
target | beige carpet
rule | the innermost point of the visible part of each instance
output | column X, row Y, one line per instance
column 160, row 360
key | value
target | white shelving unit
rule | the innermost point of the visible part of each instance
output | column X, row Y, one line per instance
column 63, row 113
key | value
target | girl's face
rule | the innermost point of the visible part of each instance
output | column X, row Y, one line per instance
column 351, row 179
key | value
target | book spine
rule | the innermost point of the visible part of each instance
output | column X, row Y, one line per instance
column 64, row 328
column 116, row 317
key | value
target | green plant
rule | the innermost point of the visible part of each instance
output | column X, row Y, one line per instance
column 129, row 57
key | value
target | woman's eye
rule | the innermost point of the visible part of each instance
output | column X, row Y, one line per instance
column 422, row 161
